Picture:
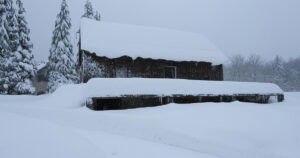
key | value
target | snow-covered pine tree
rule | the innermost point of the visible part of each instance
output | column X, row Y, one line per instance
column 16, row 70
column 4, row 47
column 88, row 10
column 12, row 72
column 12, row 27
column 26, row 67
column 61, row 68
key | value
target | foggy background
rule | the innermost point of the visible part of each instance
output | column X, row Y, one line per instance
column 264, row 27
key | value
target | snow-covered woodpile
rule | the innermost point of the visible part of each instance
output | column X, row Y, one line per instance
column 138, row 101
column 126, row 51
column 136, row 92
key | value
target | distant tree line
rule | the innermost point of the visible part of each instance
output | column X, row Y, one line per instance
column 90, row 13
column 253, row 68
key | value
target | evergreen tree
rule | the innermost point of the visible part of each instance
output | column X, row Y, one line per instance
column 12, row 58
column 88, row 10
column 15, row 62
column 61, row 60
column 4, row 47
column 26, row 67
column 12, row 27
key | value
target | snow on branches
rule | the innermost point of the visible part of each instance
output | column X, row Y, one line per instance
column 16, row 58
column 61, row 68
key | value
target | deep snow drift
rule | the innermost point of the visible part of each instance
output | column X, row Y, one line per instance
column 34, row 127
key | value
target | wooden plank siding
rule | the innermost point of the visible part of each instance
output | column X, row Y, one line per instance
column 150, row 68
column 139, row 101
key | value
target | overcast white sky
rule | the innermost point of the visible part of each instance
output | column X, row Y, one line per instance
column 264, row 27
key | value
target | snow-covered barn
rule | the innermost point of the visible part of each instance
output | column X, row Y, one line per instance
column 156, row 66
column 112, row 50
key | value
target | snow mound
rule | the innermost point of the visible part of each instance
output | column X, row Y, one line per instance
column 115, row 40
column 67, row 96
column 102, row 87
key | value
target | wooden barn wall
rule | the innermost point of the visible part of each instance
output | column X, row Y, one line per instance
column 40, row 81
column 148, row 68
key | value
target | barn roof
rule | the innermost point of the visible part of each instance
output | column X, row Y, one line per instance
column 114, row 40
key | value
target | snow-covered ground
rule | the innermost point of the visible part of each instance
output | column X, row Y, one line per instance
column 47, row 126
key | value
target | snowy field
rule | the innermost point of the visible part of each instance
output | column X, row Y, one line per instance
column 43, row 126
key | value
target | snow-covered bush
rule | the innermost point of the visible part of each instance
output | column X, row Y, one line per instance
column 57, row 79
column 92, row 69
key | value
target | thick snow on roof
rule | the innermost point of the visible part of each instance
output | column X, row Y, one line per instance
column 115, row 40
column 41, row 65
column 102, row 87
